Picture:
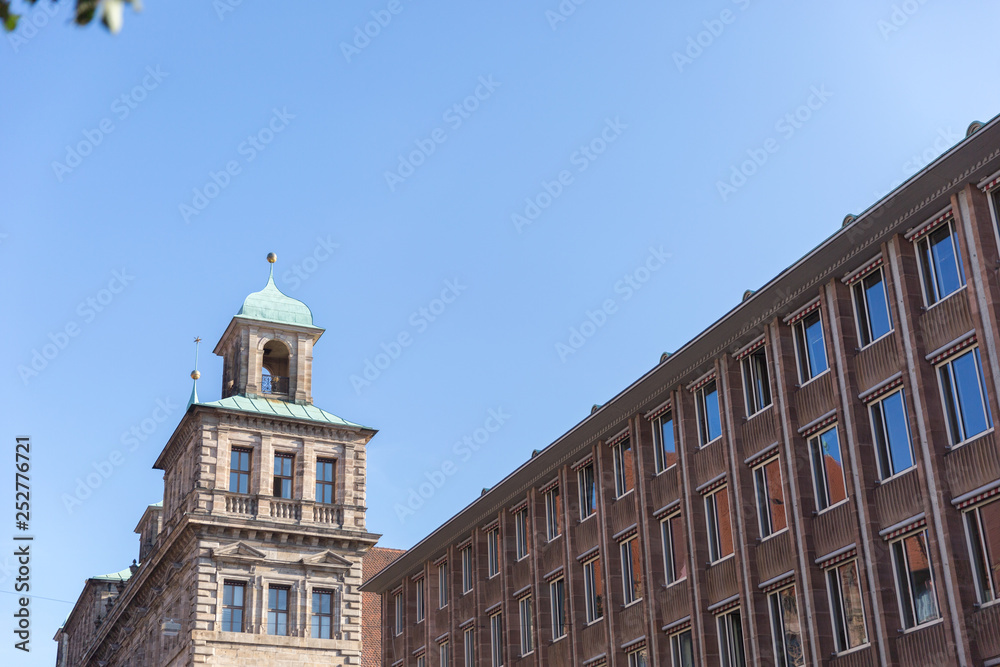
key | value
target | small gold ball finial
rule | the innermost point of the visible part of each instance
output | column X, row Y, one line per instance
column 272, row 258
column 195, row 375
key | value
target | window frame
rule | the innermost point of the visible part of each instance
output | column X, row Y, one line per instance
column 668, row 540
column 803, row 356
column 702, row 415
column 951, row 402
column 629, row 549
column 313, row 614
column 593, row 590
column 838, row 610
column 281, row 478
column 923, row 534
column 418, row 598
column 526, row 624
column 638, row 657
column 442, row 571
column 468, row 575
column 925, row 280
column 522, row 544
column 859, row 298
column 588, row 497
column 750, row 372
column 727, row 650
column 828, row 502
column 621, row 467
column 493, row 552
column 277, row 611
column 444, row 654
column 397, row 602
column 496, row 639
column 322, row 483
column 241, row 474
column 676, row 656
column 659, row 451
column 242, row 585
column 553, row 513
column 883, row 446
column 760, row 470
column 715, row 545
column 776, row 614
column 979, row 553
column 558, row 607
column 469, row 646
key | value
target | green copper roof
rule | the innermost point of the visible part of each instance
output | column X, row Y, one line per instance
column 266, row 406
column 124, row 575
column 271, row 305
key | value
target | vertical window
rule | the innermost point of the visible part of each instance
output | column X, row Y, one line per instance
column 493, row 552
column 872, row 308
column 277, row 610
column 770, row 498
column 418, row 589
column 731, row 639
column 442, row 585
column 521, row 533
column 785, row 629
column 756, row 385
column 846, row 607
column 631, row 570
column 918, row 602
column 470, row 647
column 827, row 468
column 593, row 591
column 624, row 471
column 557, row 595
column 964, row 393
column 892, row 435
column 322, row 614
column 527, row 625
column 665, row 448
column 940, row 263
column 325, row 481
column 675, row 558
column 983, row 527
column 809, row 346
column 282, row 476
column 397, row 601
column 239, row 471
column 709, row 419
column 496, row 640
column 233, row 596
column 444, row 654
column 422, row 660
column 720, row 527
column 588, row 491
column 553, row 510
column 682, row 649
column 638, row 658
column 466, row 570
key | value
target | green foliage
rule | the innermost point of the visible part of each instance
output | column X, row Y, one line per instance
column 111, row 12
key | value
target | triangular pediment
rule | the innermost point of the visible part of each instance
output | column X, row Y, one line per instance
column 327, row 559
column 238, row 551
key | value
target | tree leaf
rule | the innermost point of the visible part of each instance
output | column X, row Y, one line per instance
column 85, row 10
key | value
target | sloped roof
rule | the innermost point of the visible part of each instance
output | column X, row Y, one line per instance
column 272, row 305
column 273, row 408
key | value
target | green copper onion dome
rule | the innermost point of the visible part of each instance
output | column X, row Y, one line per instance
column 272, row 305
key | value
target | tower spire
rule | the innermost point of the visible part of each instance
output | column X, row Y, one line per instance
column 195, row 374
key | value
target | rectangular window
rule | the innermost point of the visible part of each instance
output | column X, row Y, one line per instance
column 675, row 561
column 682, row 649
column 418, row 589
column 809, row 347
column 731, row 639
column 466, row 570
column 553, row 512
column 233, row 596
column 785, row 629
column 631, row 570
column 470, row 647
column 421, row 660
column 770, row 498
column 397, row 602
column 827, row 468
column 496, row 640
column 527, row 625
column 964, row 393
column 756, row 382
column 557, row 595
column 493, row 552
column 442, row 585
column 940, row 263
column 588, row 491
column 322, row 614
column 624, row 470
column 665, row 448
column 444, row 654
column 277, row 610
column 918, row 603
column 239, row 471
column 283, row 475
column 325, row 481
column 983, row 527
column 638, row 658
column 521, row 533
column 892, row 435
column 593, row 590
column 709, row 418
column 871, row 306
column 846, row 607
column 720, row 527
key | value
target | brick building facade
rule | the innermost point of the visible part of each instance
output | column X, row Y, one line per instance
column 813, row 480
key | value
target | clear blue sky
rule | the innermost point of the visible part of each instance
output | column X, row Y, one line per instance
column 660, row 132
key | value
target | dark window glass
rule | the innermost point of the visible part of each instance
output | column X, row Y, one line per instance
column 326, row 481
column 239, row 471
column 232, row 606
column 282, row 476
column 588, row 491
column 322, row 614
column 666, row 448
column 983, row 524
column 709, row 419
column 940, row 263
column 810, row 346
column 872, row 306
column 964, row 392
column 915, row 580
column 756, row 385
column 277, row 611
column 892, row 435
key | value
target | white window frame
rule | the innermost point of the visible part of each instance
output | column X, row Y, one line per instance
column 628, row 584
column 521, row 545
column 443, row 585
column 397, row 601
column 701, row 412
column 750, row 371
column 836, row 602
column 618, row 460
column 675, row 648
column 444, row 654
column 659, row 454
column 593, row 605
column 552, row 530
column 767, row 530
column 469, row 646
column 669, row 554
column 895, row 575
column 918, row 248
column 859, row 297
column 712, row 519
column 558, row 604
column 493, row 552
column 422, row 660
column 585, row 497
column 727, row 653
column 468, row 579
column 773, row 598
column 802, row 358
column 527, row 625
column 951, row 398
column 827, row 500
column 496, row 639
column 638, row 658
column 988, row 592
column 885, row 475
column 418, row 588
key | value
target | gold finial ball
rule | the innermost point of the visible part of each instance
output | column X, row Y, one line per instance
column 272, row 258
column 195, row 375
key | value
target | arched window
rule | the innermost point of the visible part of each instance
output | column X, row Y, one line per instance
column 274, row 368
